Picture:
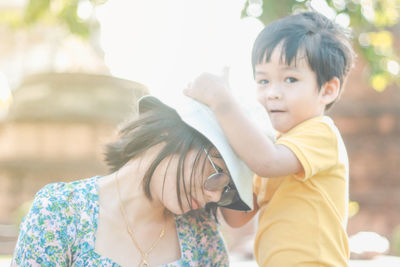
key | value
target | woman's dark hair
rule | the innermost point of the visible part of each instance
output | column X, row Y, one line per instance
column 158, row 124
column 325, row 45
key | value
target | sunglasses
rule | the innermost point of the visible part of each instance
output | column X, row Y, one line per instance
column 221, row 180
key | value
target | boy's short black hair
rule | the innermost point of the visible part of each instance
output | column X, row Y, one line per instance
column 325, row 45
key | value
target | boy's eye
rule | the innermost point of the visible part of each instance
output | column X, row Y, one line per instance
column 262, row 81
column 290, row 80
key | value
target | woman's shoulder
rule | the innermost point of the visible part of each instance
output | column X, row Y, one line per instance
column 65, row 188
column 64, row 199
column 201, row 241
column 54, row 224
column 85, row 189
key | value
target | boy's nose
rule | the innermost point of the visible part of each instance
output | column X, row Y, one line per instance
column 273, row 93
column 273, row 96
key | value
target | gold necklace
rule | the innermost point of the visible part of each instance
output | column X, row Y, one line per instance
column 144, row 254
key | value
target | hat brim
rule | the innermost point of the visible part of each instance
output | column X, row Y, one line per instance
column 202, row 119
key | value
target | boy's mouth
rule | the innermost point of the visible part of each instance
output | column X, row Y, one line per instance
column 276, row 111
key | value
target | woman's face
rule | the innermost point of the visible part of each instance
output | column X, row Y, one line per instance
column 192, row 192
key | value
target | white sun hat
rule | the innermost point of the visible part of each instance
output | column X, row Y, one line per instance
column 202, row 119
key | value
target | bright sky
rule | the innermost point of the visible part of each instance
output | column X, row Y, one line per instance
column 164, row 44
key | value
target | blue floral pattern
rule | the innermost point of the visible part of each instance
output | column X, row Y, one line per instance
column 60, row 228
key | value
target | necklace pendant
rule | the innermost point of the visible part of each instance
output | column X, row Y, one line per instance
column 144, row 263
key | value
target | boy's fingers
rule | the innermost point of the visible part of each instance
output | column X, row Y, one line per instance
column 189, row 92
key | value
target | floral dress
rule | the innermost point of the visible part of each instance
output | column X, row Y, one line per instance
column 60, row 228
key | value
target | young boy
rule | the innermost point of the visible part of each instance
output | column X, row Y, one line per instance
column 300, row 63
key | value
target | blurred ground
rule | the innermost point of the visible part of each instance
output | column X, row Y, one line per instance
column 382, row 261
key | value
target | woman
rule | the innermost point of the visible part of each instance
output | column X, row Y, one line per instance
column 157, row 207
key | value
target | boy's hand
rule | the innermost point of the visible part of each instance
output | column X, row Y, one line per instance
column 209, row 89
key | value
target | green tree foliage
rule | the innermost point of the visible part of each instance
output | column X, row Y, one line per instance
column 60, row 12
column 373, row 24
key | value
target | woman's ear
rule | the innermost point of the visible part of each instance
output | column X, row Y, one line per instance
column 330, row 91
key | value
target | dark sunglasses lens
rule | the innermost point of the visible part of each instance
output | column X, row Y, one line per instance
column 216, row 181
column 228, row 197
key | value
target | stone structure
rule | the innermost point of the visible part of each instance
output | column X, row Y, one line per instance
column 57, row 127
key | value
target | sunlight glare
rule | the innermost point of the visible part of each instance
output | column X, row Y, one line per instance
column 254, row 9
column 85, row 9
column 364, row 39
column 323, row 7
column 165, row 44
column 343, row 19
column 5, row 93
column 393, row 67
column 5, row 96
column 368, row 242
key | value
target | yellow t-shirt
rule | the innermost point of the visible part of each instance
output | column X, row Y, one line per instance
column 303, row 217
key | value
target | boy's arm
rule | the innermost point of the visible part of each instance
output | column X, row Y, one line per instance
column 236, row 218
column 262, row 156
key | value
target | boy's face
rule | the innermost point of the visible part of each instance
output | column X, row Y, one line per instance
column 288, row 93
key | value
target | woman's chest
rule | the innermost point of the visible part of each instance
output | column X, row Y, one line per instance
column 113, row 241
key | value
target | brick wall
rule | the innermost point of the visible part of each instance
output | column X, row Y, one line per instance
column 370, row 125
column 35, row 154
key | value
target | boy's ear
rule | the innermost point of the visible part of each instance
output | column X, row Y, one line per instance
column 330, row 91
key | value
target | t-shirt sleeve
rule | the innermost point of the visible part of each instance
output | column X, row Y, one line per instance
column 315, row 146
column 42, row 239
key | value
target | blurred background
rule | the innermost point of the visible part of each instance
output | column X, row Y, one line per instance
column 71, row 71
